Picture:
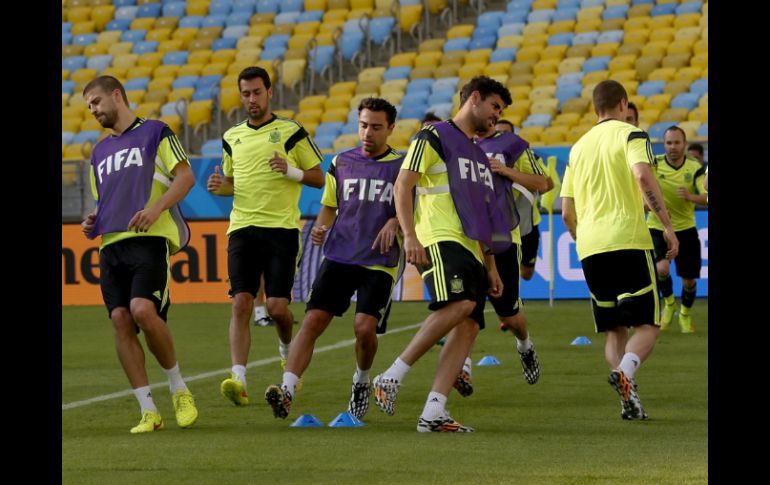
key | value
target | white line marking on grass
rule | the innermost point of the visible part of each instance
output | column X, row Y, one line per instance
column 206, row 375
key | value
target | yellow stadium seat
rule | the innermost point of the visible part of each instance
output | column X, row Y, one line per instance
column 101, row 15
column 410, row 15
column 284, row 29
column 229, row 99
column 542, row 92
column 157, row 96
column 680, row 47
column 665, row 34
column 209, row 33
column 337, row 14
column 658, row 101
column 139, row 71
column 264, row 18
column 428, row 59
column 293, row 72
column 674, row 115
column 95, row 50
column 136, row 95
column 306, row 28
column 148, row 110
column 520, row 92
column 166, row 23
column 612, row 24
column 405, row 59
column 631, row 86
column 77, row 151
column 248, row 55
column 160, row 82
column 630, row 50
column 544, row 4
column 642, row 10
column 181, row 93
column 636, row 23
column 540, row 40
column 81, row 28
column 459, row 31
column 431, row 45
column 215, row 68
column 521, row 67
column 590, row 13
column 65, row 97
column 368, row 87
column 109, row 37
column 639, row 36
column 454, row 57
column 74, row 112
column 595, row 77
column 310, row 116
column 337, row 102
column 535, row 28
column 700, row 60
column 371, row 74
column 158, row 34
column 83, row 76
column 340, row 88
column 300, row 41
column 173, row 121
column 261, row 30
column 186, row 34
column 469, row 71
column 120, row 48
column 554, row 135
column 645, row 65
column 199, row 113
column 589, row 117
column 521, row 79
column 561, row 26
column 606, row 49
column 531, row 133
column 171, row 45
column 309, row 103
column 588, row 91
column 198, row 7
column 580, row 50
column 556, row 52
column 676, row 61
column 576, row 132
column 356, row 100
column 406, row 128
column 688, row 74
column 662, row 74
column 392, row 97
column 638, row 101
column 344, row 142
column 199, row 57
column 72, row 50
column 544, row 106
column 699, row 114
column 566, row 119
column 701, row 47
column 531, row 53
column 655, row 48
column 621, row 63
column 284, row 113
column 686, row 20
column 545, row 79
column 689, row 127
column 249, row 42
column 191, row 70
column 575, row 105
column 150, row 59
column 477, row 56
column 142, row 23
column 71, row 124
column 510, row 41
column 394, row 85
column 571, row 64
column 224, row 56
column 623, row 75
column 496, row 68
column 662, row 21
column 587, row 25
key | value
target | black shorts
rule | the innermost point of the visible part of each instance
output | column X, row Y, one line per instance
column 135, row 268
column 454, row 274
column 252, row 251
column 529, row 244
column 507, row 264
column 624, row 288
column 335, row 284
column 688, row 260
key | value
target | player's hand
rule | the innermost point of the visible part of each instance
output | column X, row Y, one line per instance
column 495, row 283
column 278, row 164
column 318, row 234
column 386, row 236
column 673, row 243
column 497, row 166
column 414, row 251
column 88, row 223
column 682, row 193
column 215, row 181
column 143, row 219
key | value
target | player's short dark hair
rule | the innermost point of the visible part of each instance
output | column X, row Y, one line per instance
column 254, row 72
column 486, row 86
column 633, row 108
column 379, row 104
column 108, row 84
column 697, row 147
column 607, row 95
column 506, row 122
column 430, row 117
column 676, row 128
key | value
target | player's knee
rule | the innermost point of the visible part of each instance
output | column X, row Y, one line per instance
column 663, row 269
column 122, row 321
column 689, row 283
column 143, row 311
column 365, row 327
column 278, row 308
column 242, row 305
column 464, row 307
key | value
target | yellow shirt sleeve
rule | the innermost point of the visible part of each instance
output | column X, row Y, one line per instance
column 170, row 151
column 304, row 154
column 421, row 154
column 639, row 149
column 329, row 197
column 92, row 178
column 227, row 159
column 566, row 182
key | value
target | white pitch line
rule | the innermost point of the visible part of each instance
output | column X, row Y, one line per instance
column 206, row 375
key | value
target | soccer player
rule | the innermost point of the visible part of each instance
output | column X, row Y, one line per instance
column 681, row 181
column 606, row 178
column 361, row 254
column 265, row 162
column 696, row 151
column 447, row 238
column 530, row 240
column 139, row 174
column 632, row 115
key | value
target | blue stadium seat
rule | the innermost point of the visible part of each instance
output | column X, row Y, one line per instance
column 292, row 5
column 220, row 7
column 238, row 18
column 570, row 78
column 568, row 91
column 650, row 88
column 245, row 6
column 212, row 148
column 351, row 43
column 352, row 116
column 689, row 7
column 567, row 4
column 483, row 43
column 125, row 13
column 214, row 21
column 537, row 120
column 445, row 82
column 615, row 12
column 205, row 82
column 204, row 94
column 422, row 86
column 321, row 57
column 355, row 25
column 149, row 10
column 610, row 36
column 84, row 39
column 67, row 86
column 226, row 43
column 324, row 141
column 66, row 27
column 568, row 13
column 176, row 58
column 124, row 3
column 310, row 16
column 703, row 130
column 396, row 73
column 510, row 29
column 515, row 18
column 543, row 15
column 657, row 130
column 381, row 29
column 138, row 83
column 118, row 25
column 191, row 21
column 73, row 63
column 329, row 129
column 89, row 136
column 685, row 100
column 599, row 63
column 490, row 19
column 273, row 54
column 701, row 87
column 519, row 5
column 133, row 35
column 460, row 44
column 663, row 9
column 442, row 110
column 174, row 9
column 276, row 41
column 350, row 128
column 268, row 6
column 411, row 2
column 441, row 96
column 184, row 82
column 172, row 108
column 484, row 31
column 66, row 137
column 592, row 3
column 235, row 31
column 585, row 38
column 66, row 38
column 414, row 99
column 564, row 38
column 504, row 54
column 145, row 46
column 99, row 63
column 286, row 18
column 642, row 2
